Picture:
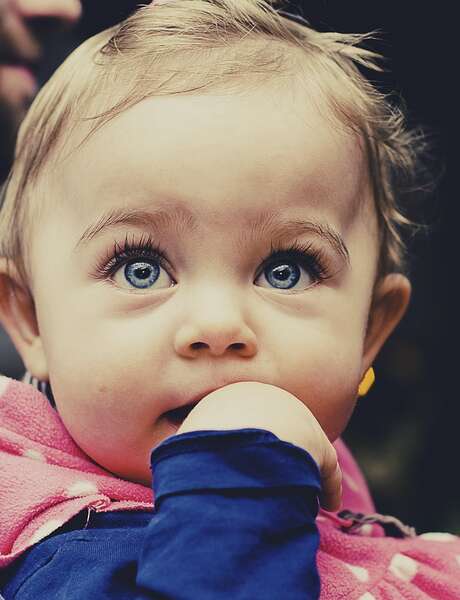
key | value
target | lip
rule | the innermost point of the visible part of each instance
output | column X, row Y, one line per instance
column 177, row 415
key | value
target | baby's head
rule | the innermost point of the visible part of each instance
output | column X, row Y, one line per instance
column 228, row 213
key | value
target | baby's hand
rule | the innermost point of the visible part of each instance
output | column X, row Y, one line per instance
column 263, row 406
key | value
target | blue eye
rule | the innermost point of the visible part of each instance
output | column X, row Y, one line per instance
column 284, row 275
column 141, row 274
column 136, row 265
column 143, row 265
column 285, row 268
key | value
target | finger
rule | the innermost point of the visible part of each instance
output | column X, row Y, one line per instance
column 16, row 41
column 331, row 480
column 64, row 10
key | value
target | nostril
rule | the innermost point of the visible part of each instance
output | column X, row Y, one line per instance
column 198, row 345
column 234, row 346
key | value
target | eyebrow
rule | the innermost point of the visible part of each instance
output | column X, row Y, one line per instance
column 181, row 220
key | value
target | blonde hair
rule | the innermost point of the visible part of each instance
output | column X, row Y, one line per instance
column 190, row 46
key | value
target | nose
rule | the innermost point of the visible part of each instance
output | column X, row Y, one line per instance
column 214, row 327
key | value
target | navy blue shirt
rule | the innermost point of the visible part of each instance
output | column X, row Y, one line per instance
column 234, row 517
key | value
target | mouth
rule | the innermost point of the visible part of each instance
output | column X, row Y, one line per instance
column 178, row 415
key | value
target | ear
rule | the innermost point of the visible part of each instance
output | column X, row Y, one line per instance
column 18, row 317
column 390, row 301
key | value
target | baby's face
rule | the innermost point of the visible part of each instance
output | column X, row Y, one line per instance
column 200, row 241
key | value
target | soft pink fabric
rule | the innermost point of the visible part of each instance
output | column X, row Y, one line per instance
column 45, row 479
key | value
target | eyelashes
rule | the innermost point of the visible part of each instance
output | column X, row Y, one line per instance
column 143, row 248
column 313, row 259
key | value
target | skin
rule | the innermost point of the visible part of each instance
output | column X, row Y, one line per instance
column 119, row 357
column 23, row 40
column 264, row 406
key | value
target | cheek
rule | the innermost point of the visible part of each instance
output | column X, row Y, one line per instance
column 103, row 367
column 88, row 344
column 325, row 375
column 102, row 418
column 95, row 392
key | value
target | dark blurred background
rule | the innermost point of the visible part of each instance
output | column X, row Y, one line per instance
column 404, row 431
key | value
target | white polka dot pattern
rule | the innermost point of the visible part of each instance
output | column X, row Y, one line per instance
column 82, row 488
column 366, row 529
column 438, row 536
column 403, row 567
column 34, row 454
column 359, row 572
column 45, row 530
column 367, row 596
column 4, row 381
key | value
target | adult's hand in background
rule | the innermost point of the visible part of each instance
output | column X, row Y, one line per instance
column 25, row 28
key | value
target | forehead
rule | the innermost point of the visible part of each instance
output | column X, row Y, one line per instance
column 223, row 156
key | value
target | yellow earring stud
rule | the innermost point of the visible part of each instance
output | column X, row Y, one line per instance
column 366, row 382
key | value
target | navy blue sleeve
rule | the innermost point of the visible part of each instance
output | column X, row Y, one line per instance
column 234, row 518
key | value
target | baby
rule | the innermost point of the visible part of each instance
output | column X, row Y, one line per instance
column 203, row 216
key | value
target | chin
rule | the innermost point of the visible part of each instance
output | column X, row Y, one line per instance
column 136, row 473
column 133, row 475
column 142, row 480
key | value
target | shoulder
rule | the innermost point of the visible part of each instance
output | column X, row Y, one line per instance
column 114, row 540
column 374, row 568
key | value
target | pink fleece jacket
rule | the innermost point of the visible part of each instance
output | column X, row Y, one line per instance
column 45, row 480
